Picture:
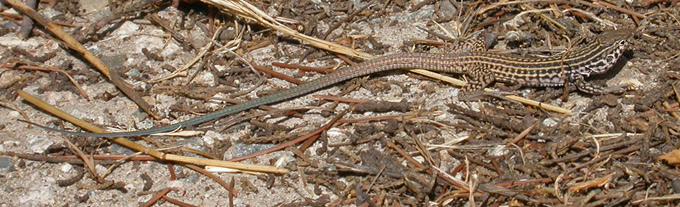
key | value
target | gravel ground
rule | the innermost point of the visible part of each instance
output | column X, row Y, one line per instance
column 607, row 153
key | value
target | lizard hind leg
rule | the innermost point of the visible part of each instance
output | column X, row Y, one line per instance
column 465, row 47
column 475, row 87
column 472, row 45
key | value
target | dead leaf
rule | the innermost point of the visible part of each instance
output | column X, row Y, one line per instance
column 672, row 158
column 599, row 182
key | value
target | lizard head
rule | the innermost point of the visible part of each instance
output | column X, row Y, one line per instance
column 612, row 43
column 615, row 38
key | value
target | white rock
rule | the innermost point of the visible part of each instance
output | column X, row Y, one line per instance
column 38, row 144
column 549, row 122
column 92, row 5
column 171, row 50
column 14, row 114
column 14, row 41
column 66, row 167
column 128, row 28
column 210, row 137
column 176, row 184
column 206, row 78
column 499, row 150
column 39, row 195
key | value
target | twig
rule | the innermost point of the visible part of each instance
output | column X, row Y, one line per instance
column 308, row 143
column 340, row 99
column 603, row 22
column 420, row 5
column 545, row 17
column 277, row 74
column 521, row 135
column 250, row 12
column 16, row 108
column 673, row 113
column 667, row 198
column 505, row 3
column 136, row 8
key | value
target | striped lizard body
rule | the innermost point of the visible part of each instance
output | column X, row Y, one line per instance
column 482, row 67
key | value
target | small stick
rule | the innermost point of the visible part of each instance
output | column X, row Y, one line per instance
column 521, row 135
column 277, row 74
column 176, row 35
column 87, row 161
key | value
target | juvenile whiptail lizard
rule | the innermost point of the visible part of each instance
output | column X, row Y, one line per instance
column 482, row 67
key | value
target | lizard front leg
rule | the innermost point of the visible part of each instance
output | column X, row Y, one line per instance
column 586, row 87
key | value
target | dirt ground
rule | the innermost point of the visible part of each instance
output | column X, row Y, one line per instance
column 413, row 144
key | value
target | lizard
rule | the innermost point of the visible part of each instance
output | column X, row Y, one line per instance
column 483, row 68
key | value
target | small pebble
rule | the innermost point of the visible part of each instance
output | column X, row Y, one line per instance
column 6, row 164
column 66, row 167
